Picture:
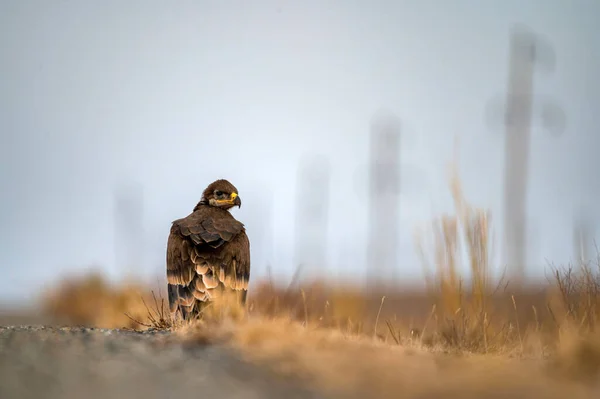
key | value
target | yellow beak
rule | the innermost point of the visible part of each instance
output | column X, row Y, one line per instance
column 236, row 200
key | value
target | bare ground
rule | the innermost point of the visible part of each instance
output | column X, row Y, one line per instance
column 52, row 362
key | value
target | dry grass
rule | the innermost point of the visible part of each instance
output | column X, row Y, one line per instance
column 331, row 346
column 93, row 302
column 343, row 364
column 460, row 338
column 466, row 313
column 349, row 342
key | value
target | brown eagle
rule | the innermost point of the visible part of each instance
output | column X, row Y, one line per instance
column 208, row 251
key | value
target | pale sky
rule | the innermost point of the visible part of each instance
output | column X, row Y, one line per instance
column 175, row 95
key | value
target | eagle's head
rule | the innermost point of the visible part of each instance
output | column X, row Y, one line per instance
column 221, row 194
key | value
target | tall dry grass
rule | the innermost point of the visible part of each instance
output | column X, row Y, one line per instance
column 463, row 309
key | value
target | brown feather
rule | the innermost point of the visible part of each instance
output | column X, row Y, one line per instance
column 210, row 281
column 201, row 296
column 186, row 296
column 202, row 269
column 199, row 284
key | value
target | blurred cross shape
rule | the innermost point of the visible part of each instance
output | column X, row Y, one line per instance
column 314, row 209
column 532, row 48
column 387, row 180
column 554, row 119
column 534, row 234
column 529, row 51
column 548, row 114
column 384, row 187
column 385, row 174
column 313, row 186
column 400, row 180
column 584, row 231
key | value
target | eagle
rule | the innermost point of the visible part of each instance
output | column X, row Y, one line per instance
column 208, row 253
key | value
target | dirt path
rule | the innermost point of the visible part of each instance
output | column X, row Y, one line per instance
column 65, row 363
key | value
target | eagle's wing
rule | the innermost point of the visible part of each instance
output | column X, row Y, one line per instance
column 206, row 249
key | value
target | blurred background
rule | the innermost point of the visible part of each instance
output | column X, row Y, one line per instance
column 335, row 120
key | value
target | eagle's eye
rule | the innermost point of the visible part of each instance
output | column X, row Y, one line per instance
column 218, row 193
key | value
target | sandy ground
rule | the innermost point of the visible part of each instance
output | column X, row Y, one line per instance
column 50, row 362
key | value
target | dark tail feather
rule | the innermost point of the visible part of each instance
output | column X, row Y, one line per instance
column 173, row 297
column 179, row 296
column 191, row 312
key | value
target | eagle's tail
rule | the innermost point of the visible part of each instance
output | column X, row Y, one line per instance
column 188, row 302
column 182, row 303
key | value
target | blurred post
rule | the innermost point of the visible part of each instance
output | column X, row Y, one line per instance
column 583, row 238
column 526, row 50
column 128, row 228
column 312, row 206
column 384, row 200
